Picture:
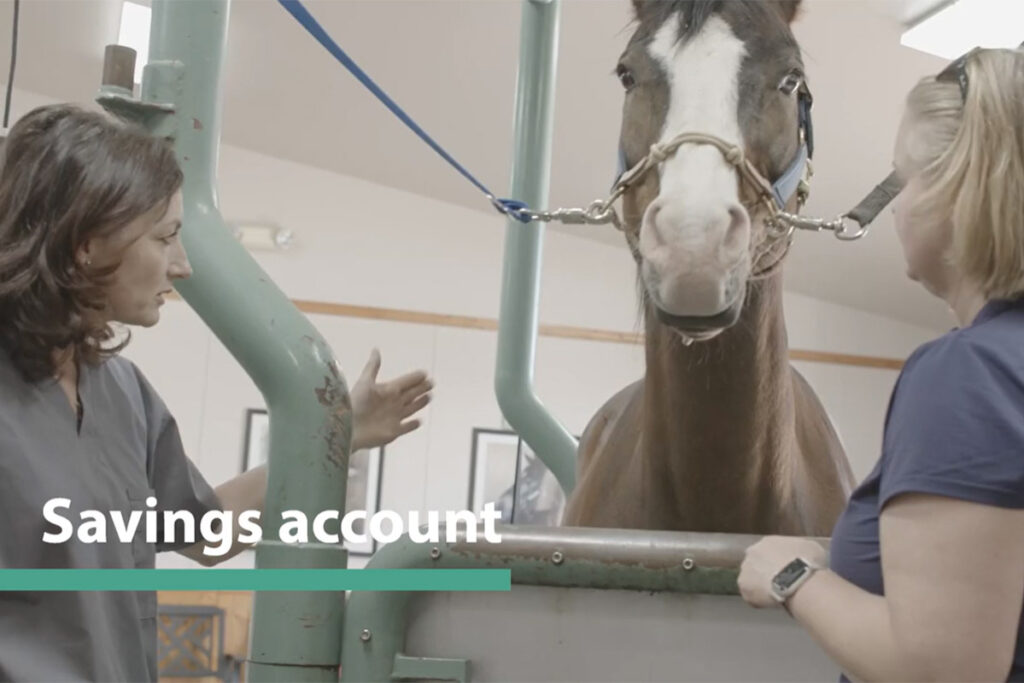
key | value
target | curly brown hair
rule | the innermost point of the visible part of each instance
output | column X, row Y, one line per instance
column 69, row 175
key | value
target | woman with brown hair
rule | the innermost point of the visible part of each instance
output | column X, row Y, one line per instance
column 90, row 218
column 926, row 574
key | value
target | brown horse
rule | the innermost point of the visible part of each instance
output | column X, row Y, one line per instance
column 722, row 435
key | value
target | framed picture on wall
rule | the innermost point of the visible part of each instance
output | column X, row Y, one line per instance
column 365, row 474
column 257, row 439
column 492, row 471
column 506, row 472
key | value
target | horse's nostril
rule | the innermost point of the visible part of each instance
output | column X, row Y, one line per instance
column 652, row 218
column 738, row 232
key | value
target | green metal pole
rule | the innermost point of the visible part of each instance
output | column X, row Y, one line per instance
column 294, row 636
column 520, row 295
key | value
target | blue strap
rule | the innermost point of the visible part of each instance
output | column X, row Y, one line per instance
column 787, row 184
column 620, row 168
column 510, row 207
column 806, row 123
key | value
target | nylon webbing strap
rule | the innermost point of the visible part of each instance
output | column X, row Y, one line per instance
column 877, row 200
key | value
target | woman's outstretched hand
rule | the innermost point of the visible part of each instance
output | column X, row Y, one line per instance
column 381, row 411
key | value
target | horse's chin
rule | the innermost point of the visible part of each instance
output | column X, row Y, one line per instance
column 701, row 328
column 690, row 337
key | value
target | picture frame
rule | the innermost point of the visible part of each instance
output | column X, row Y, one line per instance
column 506, row 472
column 365, row 474
column 257, row 439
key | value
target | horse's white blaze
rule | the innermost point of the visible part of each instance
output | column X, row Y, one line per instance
column 695, row 234
column 703, row 78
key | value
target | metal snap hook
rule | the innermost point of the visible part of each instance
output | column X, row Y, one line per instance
column 842, row 233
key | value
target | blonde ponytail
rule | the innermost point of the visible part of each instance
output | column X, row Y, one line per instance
column 971, row 158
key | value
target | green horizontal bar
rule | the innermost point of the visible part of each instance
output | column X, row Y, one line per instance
column 255, row 579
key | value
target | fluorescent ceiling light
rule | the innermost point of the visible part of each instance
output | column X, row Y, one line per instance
column 135, row 33
column 964, row 24
column 263, row 236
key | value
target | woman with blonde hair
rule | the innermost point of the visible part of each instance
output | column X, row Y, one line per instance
column 926, row 573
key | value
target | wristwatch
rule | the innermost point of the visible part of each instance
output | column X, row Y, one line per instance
column 792, row 576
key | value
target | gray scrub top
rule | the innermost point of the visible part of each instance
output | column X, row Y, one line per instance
column 128, row 449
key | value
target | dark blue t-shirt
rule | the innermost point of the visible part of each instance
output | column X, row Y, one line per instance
column 955, row 428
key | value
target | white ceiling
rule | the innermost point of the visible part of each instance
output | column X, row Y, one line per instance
column 452, row 65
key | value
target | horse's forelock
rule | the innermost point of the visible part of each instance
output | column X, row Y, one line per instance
column 692, row 15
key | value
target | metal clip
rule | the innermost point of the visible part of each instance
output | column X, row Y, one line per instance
column 842, row 233
column 570, row 216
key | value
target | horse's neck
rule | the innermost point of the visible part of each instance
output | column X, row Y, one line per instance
column 721, row 412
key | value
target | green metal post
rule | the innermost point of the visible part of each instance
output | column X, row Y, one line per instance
column 294, row 636
column 520, row 296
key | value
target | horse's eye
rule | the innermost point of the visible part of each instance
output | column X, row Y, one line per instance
column 791, row 82
column 625, row 77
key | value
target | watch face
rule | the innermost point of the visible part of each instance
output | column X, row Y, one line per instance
column 790, row 573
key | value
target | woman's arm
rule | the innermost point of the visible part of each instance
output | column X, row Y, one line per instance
column 380, row 414
column 954, row 584
column 245, row 492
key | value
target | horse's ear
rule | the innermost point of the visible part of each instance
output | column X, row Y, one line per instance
column 788, row 9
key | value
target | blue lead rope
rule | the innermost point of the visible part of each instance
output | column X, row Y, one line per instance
column 510, row 207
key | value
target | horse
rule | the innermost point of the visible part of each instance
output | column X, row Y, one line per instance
column 722, row 434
